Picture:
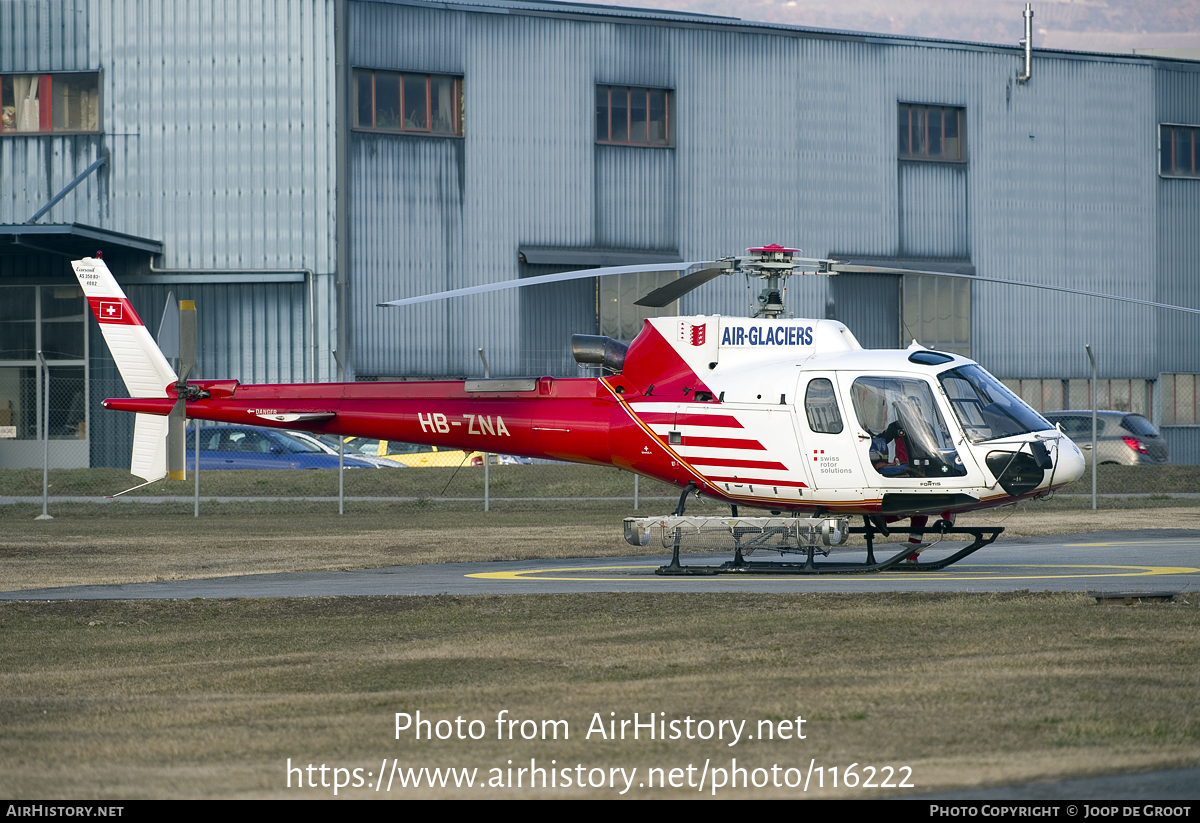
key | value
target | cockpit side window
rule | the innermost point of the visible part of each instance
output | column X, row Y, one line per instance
column 821, row 406
column 986, row 408
column 909, row 437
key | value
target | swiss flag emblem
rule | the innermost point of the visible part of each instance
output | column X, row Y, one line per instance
column 111, row 311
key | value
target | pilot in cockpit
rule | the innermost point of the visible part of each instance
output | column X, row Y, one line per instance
column 893, row 462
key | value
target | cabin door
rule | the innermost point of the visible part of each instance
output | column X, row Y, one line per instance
column 828, row 435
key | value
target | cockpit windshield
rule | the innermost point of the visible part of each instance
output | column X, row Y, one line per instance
column 986, row 408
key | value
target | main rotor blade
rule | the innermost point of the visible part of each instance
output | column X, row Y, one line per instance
column 542, row 279
column 836, row 267
column 678, row 288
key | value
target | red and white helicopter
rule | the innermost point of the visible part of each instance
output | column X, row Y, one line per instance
column 784, row 414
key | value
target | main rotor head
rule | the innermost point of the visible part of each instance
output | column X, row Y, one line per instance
column 773, row 264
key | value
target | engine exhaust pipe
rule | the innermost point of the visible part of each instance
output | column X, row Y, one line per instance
column 604, row 351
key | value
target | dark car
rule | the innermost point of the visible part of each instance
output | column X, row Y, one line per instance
column 250, row 447
column 1124, row 438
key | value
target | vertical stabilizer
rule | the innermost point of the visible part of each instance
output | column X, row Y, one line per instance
column 143, row 367
column 149, row 460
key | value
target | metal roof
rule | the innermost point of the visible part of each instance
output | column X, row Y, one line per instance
column 550, row 8
column 71, row 239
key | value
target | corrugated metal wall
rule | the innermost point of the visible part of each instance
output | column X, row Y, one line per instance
column 253, row 332
column 933, row 210
column 1065, row 196
column 1184, row 444
column 218, row 118
column 1177, row 93
column 219, row 122
column 778, row 138
column 637, row 187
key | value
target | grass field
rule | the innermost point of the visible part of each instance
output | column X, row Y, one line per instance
column 561, row 482
column 211, row 698
column 90, row 544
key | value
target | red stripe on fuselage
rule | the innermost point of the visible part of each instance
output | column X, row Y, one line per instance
column 736, row 464
column 718, row 443
column 753, row 481
column 719, row 421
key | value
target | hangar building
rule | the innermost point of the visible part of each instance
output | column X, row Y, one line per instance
column 288, row 165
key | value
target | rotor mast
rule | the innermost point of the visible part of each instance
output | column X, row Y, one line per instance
column 772, row 264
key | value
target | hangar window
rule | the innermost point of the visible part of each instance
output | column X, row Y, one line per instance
column 41, row 103
column 410, row 103
column 936, row 312
column 1122, row 394
column 1180, row 399
column 633, row 117
column 932, row 133
column 51, row 320
column 1179, row 152
column 619, row 316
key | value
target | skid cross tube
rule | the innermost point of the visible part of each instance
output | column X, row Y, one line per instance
column 982, row 537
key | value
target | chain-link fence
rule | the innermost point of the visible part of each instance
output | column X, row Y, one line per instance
column 545, row 487
column 63, row 450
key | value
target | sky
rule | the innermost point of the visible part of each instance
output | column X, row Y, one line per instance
column 1083, row 25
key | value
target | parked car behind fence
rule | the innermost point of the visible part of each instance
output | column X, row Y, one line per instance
column 1123, row 438
column 416, row 455
column 252, row 447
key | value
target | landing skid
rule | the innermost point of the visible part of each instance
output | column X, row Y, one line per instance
column 897, row 562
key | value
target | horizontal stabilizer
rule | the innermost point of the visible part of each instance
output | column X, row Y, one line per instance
column 141, row 405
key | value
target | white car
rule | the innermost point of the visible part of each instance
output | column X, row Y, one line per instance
column 377, row 462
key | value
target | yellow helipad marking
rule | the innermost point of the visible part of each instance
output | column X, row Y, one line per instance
column 1138, row 543
column 519, row 575
column 1098, row 571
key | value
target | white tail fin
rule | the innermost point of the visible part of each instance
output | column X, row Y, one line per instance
column 143, row 367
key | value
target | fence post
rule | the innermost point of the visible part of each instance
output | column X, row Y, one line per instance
column 45, row 515
column 636, row 477
column 196, row 472
column 487, row 477
column 1092, row 389
column 341, row 474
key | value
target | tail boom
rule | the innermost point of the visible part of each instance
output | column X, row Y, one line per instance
column 559, row 419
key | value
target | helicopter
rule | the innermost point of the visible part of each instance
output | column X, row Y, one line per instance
column 771, row 412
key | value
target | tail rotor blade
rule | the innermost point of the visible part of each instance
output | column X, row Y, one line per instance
column 187, row 338
column 177, row 419
column 176, row 443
